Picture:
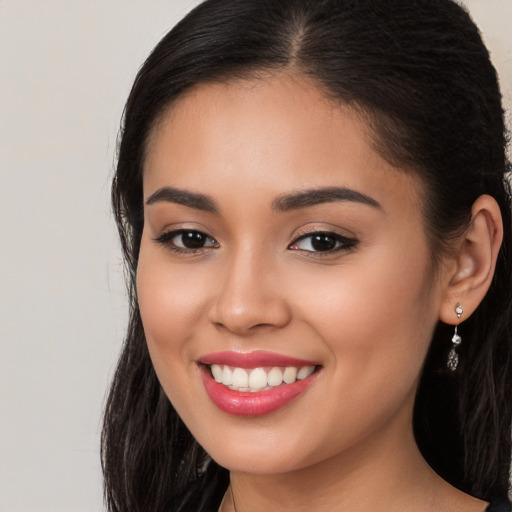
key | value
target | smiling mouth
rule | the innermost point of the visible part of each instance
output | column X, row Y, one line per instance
column 258, row 379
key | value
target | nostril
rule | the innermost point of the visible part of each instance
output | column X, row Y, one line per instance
column 254, row 316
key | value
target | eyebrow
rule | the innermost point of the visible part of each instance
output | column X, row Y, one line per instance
column 185, row 198
column 285, row 203
column 312, row 197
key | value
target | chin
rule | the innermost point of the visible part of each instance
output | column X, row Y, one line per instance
column 260, row 464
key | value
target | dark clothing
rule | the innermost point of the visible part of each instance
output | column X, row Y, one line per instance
column 208, row 494
column 499, row 505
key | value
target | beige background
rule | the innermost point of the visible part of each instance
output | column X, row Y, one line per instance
column 65, row 71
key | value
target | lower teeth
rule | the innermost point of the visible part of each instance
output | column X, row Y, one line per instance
column 250, row 390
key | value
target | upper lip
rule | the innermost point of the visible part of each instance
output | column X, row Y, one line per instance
column 254, row 359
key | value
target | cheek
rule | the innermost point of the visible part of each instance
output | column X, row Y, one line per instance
column 172, row 307
column 376, row 317
column 170, row 299
column 373, row 322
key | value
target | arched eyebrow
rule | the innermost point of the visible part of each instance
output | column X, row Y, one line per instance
column 312, row 197
column 185, row 198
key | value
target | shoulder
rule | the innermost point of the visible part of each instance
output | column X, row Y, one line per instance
column 499, row 505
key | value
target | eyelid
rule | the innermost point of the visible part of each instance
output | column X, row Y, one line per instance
column 165, row 239
column 345, row 243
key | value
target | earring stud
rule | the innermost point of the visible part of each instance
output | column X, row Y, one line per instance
column 453, row 357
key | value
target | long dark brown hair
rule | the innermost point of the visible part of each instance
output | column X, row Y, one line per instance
column 420, row 74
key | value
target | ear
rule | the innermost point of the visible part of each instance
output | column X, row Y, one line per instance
column 469, row 276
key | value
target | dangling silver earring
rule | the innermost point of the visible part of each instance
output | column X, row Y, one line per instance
column 453, row 357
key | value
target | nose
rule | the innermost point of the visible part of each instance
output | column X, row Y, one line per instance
column 250, row 296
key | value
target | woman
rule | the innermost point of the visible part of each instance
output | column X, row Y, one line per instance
column 312, row 203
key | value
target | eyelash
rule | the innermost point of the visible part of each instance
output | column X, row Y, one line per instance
column 165, row 239
column 342, row 243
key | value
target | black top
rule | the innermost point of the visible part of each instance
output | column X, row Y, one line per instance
column 208, row 494
column 499, row 505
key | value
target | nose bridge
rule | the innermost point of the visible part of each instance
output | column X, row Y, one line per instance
column 248, row 296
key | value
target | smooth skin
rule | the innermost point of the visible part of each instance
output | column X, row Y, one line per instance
column 364, row 304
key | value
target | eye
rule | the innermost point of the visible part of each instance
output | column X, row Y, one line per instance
column 323, row 242
column 186, row 240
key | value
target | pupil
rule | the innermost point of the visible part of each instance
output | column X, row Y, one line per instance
column 323, row 242
column 193, row 240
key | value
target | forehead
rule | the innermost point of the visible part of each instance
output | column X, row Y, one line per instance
column 275, row 131
column 249, row 108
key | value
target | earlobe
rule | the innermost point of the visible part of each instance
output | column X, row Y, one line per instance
column 475, row 260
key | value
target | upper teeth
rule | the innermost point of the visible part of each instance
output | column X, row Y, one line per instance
column 242, row 379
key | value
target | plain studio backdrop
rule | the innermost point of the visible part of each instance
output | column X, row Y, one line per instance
column 66, row 68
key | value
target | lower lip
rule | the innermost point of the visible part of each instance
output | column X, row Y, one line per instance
column 254, row 403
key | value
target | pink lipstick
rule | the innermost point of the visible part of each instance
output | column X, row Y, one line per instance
column 255, row 383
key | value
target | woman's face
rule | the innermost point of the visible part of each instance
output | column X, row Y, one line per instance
column 276, row 237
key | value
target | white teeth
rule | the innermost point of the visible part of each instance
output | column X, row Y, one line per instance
column 227, row 376
column 240, row 378
column 290, row 374
column 217, row 372
column 305, row 372
column 275, row 377
column 258, row 379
